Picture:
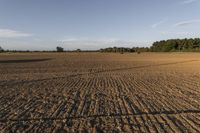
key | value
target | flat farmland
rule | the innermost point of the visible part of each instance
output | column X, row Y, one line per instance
column 100, row 92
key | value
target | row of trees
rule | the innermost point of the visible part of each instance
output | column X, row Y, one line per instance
column 176, row 45
column 123, row 49
column 58, row 49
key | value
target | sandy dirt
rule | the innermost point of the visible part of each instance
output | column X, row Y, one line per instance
column 99, row 92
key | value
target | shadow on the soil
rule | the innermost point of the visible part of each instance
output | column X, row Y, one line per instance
column 137, row 67
column 23, row 60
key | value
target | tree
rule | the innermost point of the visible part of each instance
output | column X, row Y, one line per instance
column 59, row 49
column 78, row 50
column 1, row 49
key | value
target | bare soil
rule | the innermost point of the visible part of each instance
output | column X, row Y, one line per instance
column 100, row 92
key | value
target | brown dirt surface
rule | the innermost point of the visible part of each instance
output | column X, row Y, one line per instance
column 100, row 92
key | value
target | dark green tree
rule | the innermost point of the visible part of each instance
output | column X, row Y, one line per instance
column 78, row 50
column 176, row 45
column 59, row 49
column 1, row 49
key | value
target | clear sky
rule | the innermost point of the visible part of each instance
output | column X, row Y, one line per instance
column 92, row 24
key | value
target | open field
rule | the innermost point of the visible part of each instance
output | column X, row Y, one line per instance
column 95, row 92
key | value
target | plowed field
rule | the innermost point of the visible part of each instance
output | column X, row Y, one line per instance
column 99, row 92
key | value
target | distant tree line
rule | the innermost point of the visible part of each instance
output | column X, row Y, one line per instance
column 125, row 50
column 176, row 45
column 171, row 45
column 58, row 49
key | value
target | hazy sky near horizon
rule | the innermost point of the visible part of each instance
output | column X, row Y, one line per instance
column 93, row 24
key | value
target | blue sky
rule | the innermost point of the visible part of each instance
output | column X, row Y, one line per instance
column 93, row 24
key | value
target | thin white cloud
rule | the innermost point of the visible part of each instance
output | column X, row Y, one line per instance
column 8, row 33
column 77, row 39
column 155, row 25
column 186, row 23
column 181, row 33
column 85, row 43
column 71, row 39
column 188, row 1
